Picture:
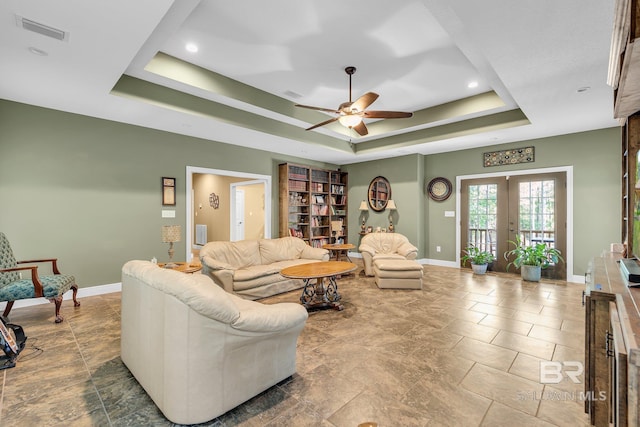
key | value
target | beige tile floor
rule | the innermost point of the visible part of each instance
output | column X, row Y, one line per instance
column 464, row 351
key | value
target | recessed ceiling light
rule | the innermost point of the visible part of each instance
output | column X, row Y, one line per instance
column 37, row 51
column 191, row 47
column 473, row 84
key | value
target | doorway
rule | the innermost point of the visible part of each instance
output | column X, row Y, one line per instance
column 258, row 191
column 530, row 205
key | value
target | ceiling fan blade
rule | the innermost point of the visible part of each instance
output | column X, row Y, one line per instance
column 361, row 128
column 387, row 114
column 328, row 110
column 326, row 122
column 364, row 101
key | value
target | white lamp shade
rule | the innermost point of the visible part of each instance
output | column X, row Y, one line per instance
column 363, row 206
column 349, row 120
column 391, row 205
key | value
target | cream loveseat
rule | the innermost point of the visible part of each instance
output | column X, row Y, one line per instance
column 251, row 268
column 197, row 350
column 374, row 246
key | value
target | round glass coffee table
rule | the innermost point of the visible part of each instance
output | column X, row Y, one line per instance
column 323, row 293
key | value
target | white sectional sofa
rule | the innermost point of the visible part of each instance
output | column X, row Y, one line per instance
column 251, row 268
column 197, row 350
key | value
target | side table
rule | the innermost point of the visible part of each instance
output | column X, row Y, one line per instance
column 337, row 249
column 184, row 267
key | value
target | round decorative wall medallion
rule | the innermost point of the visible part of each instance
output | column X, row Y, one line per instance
column 439, row 189
column 214, row 200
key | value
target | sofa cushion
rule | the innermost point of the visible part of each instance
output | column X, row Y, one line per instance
column 241, row 254
column 386, row 264
column 274, row 250
column 253, row 272
column 257, row 282
column 387, row 256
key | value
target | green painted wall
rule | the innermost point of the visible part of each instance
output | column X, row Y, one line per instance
column 405, row 174
column 88, row 191
column 596, row 160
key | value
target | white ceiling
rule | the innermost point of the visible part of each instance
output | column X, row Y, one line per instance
column 533, row 56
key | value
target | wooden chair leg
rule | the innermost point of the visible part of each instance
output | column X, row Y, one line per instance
column 74, row 288
column 7, row 309
column 58, row 302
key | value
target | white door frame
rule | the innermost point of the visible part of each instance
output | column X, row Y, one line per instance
column 568, row 257
column 266, row 179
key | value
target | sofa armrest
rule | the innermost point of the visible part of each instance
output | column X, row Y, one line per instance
column 407, row 250
column 256, row 317
column 220, row 272
column 214, row 264
column 309, row 252
column 367, row 260
column 368, row 249
column 222, row 278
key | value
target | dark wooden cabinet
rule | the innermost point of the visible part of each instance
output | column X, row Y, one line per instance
column 612, row 356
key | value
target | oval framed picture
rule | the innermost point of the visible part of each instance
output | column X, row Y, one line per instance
column 439, row 189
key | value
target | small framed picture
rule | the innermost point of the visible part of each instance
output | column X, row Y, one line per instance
column 369, row 229
column 168, row 191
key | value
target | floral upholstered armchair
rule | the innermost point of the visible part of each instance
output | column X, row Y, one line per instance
column 13, row 288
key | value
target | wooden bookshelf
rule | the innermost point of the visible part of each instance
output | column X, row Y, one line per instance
column 338, row 206
column 313, row 204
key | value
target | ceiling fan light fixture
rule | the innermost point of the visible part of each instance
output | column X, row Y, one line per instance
column 349, row 120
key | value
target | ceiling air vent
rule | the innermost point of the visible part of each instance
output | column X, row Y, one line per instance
column 39, row 28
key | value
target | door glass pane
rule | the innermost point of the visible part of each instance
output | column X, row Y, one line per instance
column 536, row 222
column 483, row 212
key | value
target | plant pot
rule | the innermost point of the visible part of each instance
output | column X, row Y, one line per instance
column 479, row 268
column 530, row 273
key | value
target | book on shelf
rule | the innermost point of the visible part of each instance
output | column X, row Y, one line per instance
column 320, row 210
column 295, row 233
column 318, row 243
column 337, row 189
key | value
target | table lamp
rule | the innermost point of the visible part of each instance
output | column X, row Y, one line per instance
column 363, row 207
column 170, row 234
column 391, row 205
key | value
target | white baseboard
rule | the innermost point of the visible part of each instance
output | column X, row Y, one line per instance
column 82, row 293
column 438, row 262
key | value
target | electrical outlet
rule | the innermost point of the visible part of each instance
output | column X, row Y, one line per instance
column 438, row 249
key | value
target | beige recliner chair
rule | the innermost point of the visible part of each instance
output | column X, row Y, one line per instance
column 197, row 350
column 375, row 246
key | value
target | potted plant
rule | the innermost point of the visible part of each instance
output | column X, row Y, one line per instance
column 478, row 258
column 532, row 259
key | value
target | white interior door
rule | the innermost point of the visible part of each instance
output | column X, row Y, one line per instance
column 237, row 215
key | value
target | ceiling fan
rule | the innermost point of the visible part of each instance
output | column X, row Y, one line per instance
column 350, row 114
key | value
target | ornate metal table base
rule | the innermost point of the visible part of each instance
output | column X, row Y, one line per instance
column 321, row 295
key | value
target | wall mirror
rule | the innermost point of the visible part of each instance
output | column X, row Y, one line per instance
column 379, row 193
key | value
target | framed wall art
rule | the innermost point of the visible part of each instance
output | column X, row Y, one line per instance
column 168, row 191
column 509, row 157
